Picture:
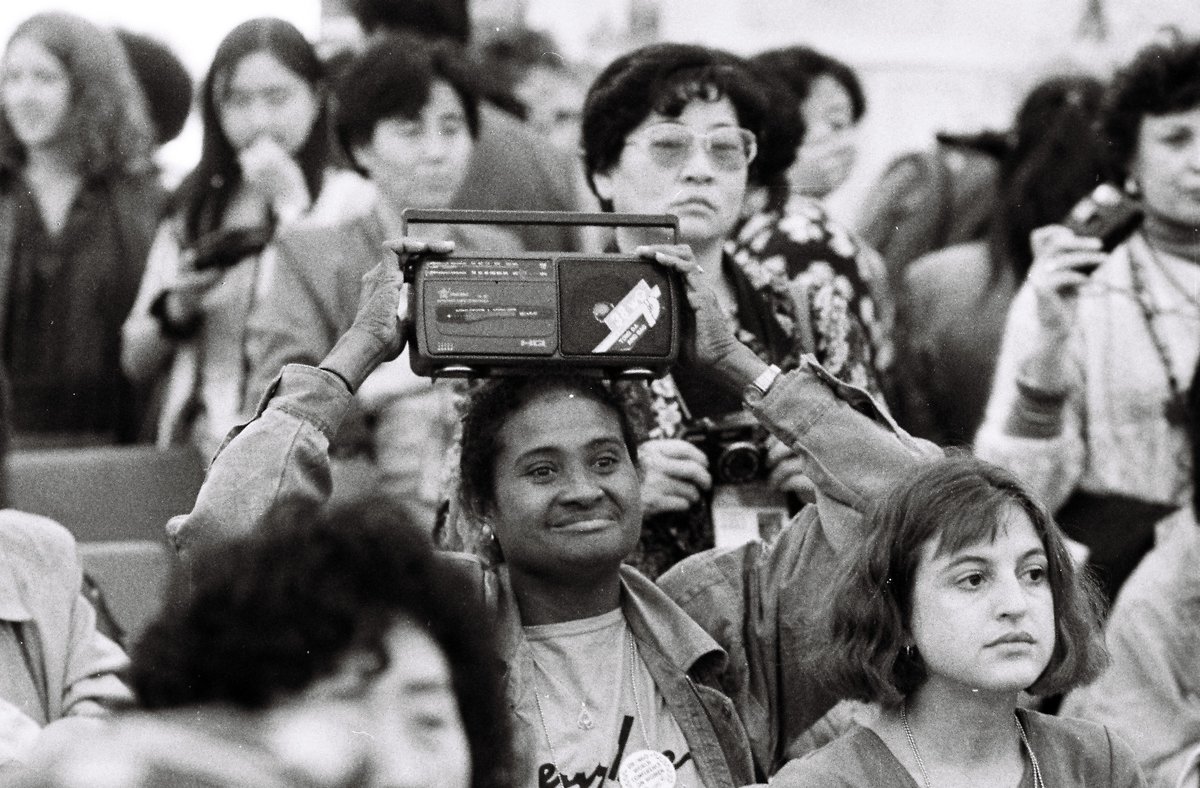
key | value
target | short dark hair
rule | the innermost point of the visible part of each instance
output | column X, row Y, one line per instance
column 799, row 66
column 1162, row 78
column 962, row 500
column 205, row 193
column 489, row 407
column 269, row 613
column 164, row 81
column 429, row 18
column 665, row 78
column 392, row 77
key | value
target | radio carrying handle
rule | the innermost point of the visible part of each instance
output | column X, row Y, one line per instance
column 570, row 218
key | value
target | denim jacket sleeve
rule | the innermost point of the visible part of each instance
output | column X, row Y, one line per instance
column 283, row 453
column 760, row 601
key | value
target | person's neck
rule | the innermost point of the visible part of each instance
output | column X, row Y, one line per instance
column 958, row 732
column 48, row 163
column 1175, row 238
column 544, row 600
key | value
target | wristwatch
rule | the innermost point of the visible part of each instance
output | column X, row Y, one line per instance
column 754, row 393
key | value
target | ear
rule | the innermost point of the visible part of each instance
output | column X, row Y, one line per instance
column 754, row 202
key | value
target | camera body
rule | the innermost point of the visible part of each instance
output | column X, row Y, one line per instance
column 481, row 313
column 1106, row 213
column 736, row 448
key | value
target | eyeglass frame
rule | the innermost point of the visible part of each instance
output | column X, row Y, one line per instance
column 750, row 142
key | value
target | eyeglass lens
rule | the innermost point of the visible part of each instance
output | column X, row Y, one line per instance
column 727, row 148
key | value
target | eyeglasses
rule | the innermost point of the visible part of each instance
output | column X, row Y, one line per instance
column 669, row 145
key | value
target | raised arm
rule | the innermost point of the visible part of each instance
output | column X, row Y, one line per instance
column 283, row 453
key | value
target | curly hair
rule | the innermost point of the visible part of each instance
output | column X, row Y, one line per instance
column 393, row 77
column 205, row 193
column 961, row 500
column 269, row 613
column 1162, row 78
column 107, row 131
column 664, row 79
column 488, row 409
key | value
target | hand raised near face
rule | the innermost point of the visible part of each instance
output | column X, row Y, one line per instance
column 268, row 170
column 675, row 473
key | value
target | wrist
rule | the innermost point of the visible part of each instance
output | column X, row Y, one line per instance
column 353, row 358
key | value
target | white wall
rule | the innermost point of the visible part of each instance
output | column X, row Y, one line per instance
column 192, row 29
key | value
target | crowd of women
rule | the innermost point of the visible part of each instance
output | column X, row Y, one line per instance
column 968, row 558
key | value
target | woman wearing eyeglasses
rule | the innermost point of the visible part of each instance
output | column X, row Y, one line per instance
column 686, row 130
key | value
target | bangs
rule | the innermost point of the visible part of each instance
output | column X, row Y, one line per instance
column 707, row 83
column 981, row 514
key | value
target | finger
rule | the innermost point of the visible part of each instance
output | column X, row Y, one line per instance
column 678, row 449
column 666, row 503
column 777, row 451
column 784, row 472
column 677, row 256
column 407, row 245
column 682, row 491
column 687, row 470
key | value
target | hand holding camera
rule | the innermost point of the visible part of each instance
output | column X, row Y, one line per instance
column 675, row 474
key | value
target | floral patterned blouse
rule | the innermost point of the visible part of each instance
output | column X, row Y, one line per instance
column 803, row 284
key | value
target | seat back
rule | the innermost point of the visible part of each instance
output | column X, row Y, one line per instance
column 106, row 493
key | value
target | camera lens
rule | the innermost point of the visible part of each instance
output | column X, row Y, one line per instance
column 740, row 462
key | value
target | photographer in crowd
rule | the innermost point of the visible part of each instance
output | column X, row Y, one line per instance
column 1087, row 405
column 407, row 114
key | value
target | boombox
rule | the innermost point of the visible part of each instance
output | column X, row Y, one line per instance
column 481, row 313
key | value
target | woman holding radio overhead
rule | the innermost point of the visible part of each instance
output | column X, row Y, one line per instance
column 1087, row 401
column 265, row 162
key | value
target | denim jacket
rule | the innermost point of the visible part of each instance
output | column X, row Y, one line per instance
column 724, row 633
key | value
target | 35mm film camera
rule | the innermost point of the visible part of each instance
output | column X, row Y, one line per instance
column 477, row 313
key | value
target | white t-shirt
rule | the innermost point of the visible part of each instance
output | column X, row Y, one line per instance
column 598, row 705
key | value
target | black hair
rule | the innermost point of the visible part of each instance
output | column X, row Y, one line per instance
column 164, row 81
column 664, row 79
column 392, row 78
column 428, row 18
column 1056, row 157
column 1163, row 78
column 488, row 409
column 271, row 612
column 205, row 193
column 799, row 66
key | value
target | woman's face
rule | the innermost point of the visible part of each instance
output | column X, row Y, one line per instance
column 1166, row 165
column 824, row 160
column 36, row 93
column 669, row 173
column 421, row 162
column 263, row 98
column 567, row 493
column 983, row 616
column 416, row 735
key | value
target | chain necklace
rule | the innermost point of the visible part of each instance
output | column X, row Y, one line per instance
column 1175, row 410
column 912, row 745
column 641, row 718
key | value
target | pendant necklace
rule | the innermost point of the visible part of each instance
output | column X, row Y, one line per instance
column 912, row 745
column 646, row 768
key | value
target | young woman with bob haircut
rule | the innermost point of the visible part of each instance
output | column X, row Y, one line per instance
column 961, row 596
